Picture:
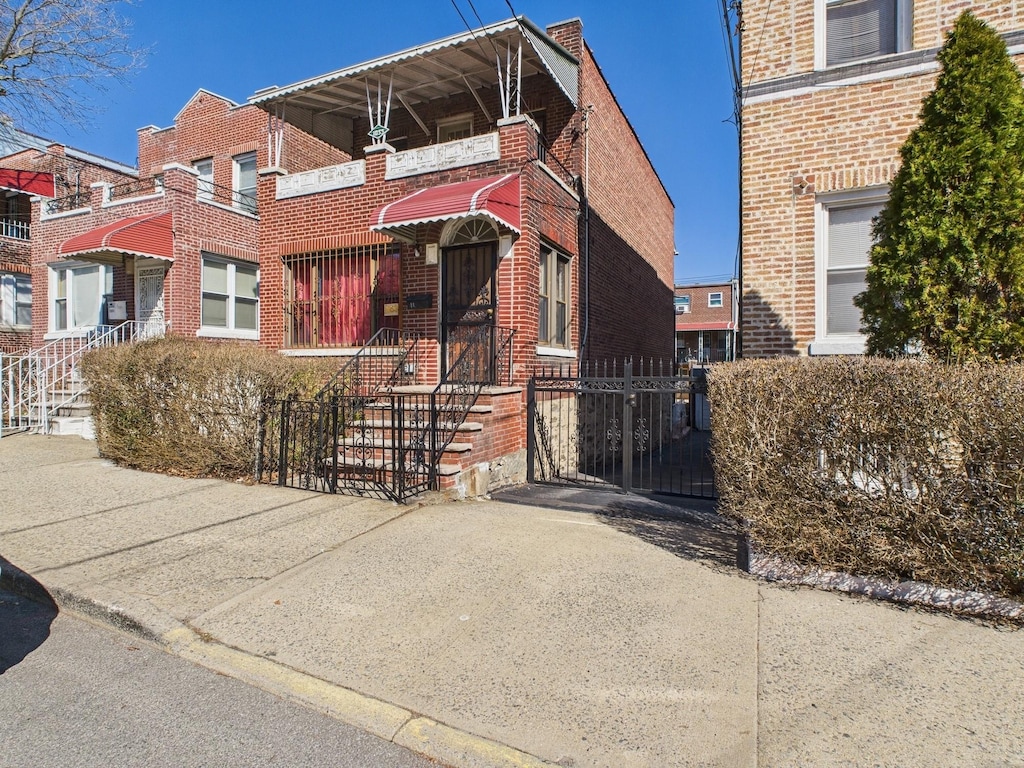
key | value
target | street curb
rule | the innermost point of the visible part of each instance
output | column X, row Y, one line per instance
column 392, row 723
column 387, row 721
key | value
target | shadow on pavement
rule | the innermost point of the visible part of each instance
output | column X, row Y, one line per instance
column 26, row 612
column 688, row 528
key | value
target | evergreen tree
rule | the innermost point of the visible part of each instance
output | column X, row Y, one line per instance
column 947, row 267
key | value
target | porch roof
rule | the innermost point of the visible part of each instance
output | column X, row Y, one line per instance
column 148, row 236
column 30, row 182
column 496, row 197
column 461, row 63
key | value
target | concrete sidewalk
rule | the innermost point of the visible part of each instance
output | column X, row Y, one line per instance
column 581, row 633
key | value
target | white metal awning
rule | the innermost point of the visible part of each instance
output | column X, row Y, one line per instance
column 461, row 63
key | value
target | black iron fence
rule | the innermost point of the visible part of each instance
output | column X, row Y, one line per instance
column 635, row 426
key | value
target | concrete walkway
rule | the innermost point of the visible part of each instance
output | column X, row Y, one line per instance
column 575, row 632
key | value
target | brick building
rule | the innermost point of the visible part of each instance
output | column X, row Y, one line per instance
column 522, row 200
column 33, row 167
column 835, row 87
column 173, row 245
column 705, row 323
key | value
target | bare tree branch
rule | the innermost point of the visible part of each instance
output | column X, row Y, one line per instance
column 56, row 54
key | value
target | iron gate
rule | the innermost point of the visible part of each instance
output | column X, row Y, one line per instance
column 639, row 427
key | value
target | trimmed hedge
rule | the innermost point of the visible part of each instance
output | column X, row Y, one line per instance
column 190, row 407
column 897, row 469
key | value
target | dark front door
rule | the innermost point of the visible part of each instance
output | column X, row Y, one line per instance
column 470, row 301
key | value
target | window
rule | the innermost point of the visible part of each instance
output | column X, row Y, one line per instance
column 15, row 299
column 230, row 295
column 453, row 128
column 15, row 215
column 204, row 184
column 844, row 250
column 682, row 304
column 715, row 299
column 79, row 296
column 341, row 298
column 244, row 195
column 855, row 30
column 553, row 327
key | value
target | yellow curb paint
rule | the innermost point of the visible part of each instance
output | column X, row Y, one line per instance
column 369, row 714
column 462, row 749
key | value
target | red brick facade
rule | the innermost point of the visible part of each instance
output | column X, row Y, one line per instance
column 209, row 126
column 816, row 136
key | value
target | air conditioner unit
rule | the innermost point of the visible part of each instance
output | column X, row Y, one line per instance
column 685, row 309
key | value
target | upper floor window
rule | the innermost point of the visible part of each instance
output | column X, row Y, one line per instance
column 15, row 215
column 682, row 304
column 244, row 187
column 453, row 128
column 715, row 299
column 855, row 30
column 15, row 299
column 204, row 184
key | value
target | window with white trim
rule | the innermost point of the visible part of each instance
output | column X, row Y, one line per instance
column 230, row 295
column 244, row 182
column 15, row 299
column 453, row 128
column 844, row 252
column 79, row 295
column 682, row 304
column 204, row 184
column 857, row 30
column 715, row 299
column 553, row 327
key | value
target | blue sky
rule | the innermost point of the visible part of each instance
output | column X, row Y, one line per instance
column 665, row 61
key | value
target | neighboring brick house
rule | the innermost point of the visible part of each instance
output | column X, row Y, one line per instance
column 832, row 90
column 34, row 167
column 527, row 203
column 705, row 323
column 171, row 246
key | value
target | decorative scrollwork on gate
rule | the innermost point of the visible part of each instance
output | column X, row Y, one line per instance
column 613, row 435
column 641, row 435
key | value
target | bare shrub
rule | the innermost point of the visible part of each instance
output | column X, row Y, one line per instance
column 899, row 469
column 190, row 407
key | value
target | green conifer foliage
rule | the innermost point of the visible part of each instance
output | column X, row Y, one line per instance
column 947, row 267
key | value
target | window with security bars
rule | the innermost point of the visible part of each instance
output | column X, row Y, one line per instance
column 341, row 298
column 861, row 29
column 848, row 254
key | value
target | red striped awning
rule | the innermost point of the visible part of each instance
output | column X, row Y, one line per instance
column 149, row 236
column 496, row 197
column 30, row 182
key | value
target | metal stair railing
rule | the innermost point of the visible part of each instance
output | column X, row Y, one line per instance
column 485, row 360
column 387, row 359
column 36, row 385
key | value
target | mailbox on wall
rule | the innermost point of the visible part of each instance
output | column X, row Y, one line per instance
column 419, row 301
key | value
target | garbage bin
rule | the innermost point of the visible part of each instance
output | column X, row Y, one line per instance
column 700, row 409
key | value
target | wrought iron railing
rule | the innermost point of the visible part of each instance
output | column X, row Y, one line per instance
column 485, row 358
column 354, row 433
column 154, row 185
column 70, row 202
column 207, row 191
column 18, row 229
column 35, row 386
